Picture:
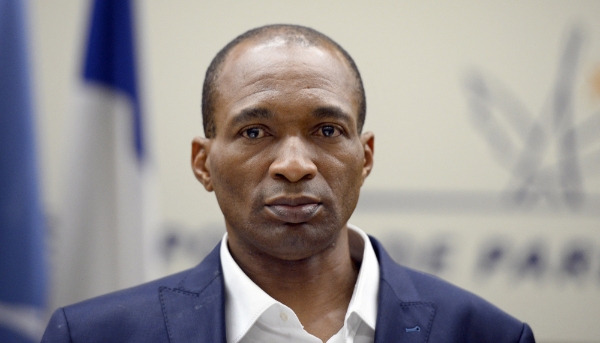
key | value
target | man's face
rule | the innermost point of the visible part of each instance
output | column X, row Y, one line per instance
column 287, row 161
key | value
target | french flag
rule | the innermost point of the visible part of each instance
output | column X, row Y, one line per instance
column 23, row 286
column 103, row 237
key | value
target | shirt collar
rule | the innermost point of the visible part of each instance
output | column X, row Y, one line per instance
column 245, row 302
column 364, row 298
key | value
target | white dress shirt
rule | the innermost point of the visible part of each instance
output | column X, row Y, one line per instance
column 253, row 316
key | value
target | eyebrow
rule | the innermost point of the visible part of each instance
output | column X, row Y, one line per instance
column 332, row 112
column 325, row 112
column 249, row 114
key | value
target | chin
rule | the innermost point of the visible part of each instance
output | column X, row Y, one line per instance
column 293, row 242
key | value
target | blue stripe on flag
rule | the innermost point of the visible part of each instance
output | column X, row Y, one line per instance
column 22, row 253
column 110, row 56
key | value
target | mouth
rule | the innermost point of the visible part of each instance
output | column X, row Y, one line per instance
column 293, row 210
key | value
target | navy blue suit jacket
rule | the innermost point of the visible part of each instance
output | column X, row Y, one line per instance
column 190, row 307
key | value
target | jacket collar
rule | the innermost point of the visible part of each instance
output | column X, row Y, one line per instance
column 195, row 309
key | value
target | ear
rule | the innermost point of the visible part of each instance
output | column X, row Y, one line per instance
column 200, row 163
column 367, row 140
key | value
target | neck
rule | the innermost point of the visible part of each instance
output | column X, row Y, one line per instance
column 318, row 289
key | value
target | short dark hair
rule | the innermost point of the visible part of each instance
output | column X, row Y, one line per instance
column 291, row 33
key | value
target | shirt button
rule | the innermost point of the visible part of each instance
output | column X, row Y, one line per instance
column 283, row 316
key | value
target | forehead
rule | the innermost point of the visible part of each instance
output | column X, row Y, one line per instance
column 272, row 69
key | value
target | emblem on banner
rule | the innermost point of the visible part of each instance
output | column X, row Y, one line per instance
column 547, row 155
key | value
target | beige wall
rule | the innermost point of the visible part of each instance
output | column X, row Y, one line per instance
column 439, row 191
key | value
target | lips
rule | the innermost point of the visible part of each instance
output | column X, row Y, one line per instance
column 293, row 210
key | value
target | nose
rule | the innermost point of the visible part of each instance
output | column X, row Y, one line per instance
column 293, row 161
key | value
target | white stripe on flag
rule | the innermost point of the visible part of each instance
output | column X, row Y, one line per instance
column 101, row 239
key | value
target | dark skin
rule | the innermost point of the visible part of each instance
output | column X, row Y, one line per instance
column 286, row 164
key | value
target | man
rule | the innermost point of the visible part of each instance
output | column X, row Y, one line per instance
column 283, row 110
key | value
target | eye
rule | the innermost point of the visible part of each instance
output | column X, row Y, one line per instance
column 329, row 131
column 254, row 133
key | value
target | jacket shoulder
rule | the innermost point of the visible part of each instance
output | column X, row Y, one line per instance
column 460, row 316
column 464, row 316
column 130, row 315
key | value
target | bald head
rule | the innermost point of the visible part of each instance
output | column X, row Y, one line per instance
column 280, row 34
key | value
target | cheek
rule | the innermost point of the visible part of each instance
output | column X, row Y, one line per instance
column 344, row 175
column 229, row 188
column 234, row 174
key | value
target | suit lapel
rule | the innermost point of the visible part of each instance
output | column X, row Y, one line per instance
column 401, row 316
column 194, row 311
